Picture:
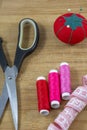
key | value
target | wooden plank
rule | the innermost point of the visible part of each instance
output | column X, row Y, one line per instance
column 48, row 55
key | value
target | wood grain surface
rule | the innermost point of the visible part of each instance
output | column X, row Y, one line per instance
column 48, row 55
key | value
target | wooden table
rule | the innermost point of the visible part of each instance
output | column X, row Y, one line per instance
column 49, row 54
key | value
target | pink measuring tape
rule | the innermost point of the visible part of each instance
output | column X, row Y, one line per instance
column 76, row 104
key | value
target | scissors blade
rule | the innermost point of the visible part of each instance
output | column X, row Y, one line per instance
column 3, row 99
column 12, row 94
column 11, row 88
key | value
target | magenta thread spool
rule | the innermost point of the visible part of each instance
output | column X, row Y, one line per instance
column 54, row 88
column 65, row 80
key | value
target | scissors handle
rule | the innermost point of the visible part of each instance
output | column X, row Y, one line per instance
column 3, row 61
column 21, row 52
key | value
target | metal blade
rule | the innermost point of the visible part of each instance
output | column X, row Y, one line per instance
column 11, row 88
column 12, row 93
column 3, row 99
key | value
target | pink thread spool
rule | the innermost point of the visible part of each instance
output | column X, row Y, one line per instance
column 54, row 88
column 65, row 80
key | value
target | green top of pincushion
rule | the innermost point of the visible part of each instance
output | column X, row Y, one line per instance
column 73, row 21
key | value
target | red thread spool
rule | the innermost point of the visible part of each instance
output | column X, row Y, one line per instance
column 54, row 88
column 43, row 96
column 70, row 28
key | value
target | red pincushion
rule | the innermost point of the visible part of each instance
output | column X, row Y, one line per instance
column 71, row 28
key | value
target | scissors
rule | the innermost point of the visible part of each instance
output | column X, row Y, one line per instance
column 9, row 89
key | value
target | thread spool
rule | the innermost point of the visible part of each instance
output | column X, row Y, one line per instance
column 54, row 88
column 43, row 97
column 65, row 80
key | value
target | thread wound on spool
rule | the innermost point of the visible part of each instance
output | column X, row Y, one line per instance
column 54, row 88
column 65, row 80
column 43, row 96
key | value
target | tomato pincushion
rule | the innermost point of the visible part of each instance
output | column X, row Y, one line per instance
column 71, row 28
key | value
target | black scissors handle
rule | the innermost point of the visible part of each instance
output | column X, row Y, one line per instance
column 21, row 53
column 3, row 61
